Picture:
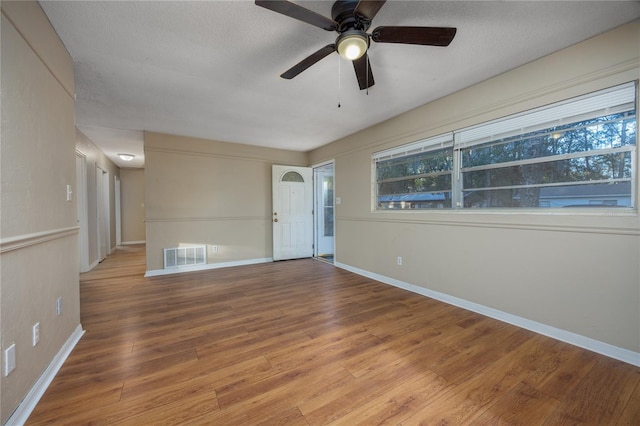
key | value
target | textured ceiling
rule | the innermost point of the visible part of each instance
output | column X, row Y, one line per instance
column 210, row 69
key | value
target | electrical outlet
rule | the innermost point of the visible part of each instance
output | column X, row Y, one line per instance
column 59, row 306
column 214, row 249
column 35, row 337
column 9, row 359
column 399, row 260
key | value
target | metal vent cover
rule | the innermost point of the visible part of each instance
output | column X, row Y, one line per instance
column 177, row 257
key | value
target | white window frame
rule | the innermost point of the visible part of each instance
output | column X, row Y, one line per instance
column 609, row 101
column 424, row 145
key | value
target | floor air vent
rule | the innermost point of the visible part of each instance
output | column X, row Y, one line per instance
column 185, row 256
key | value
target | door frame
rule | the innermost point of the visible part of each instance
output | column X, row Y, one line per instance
column 118, row 209
column 82, row 211
column 102, row 213
column 317, row 206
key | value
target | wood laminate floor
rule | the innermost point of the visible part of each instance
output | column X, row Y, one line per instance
column 304, row 343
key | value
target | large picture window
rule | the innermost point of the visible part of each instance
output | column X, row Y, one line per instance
column 577, row 153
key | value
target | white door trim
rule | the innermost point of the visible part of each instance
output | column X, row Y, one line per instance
column 102, row 212
column 82, row 211
column 318, row 205
column 118, row 210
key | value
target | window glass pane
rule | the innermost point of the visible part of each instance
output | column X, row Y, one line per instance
column 412, row 185
column 587, row 195
column 328, row 221
column 417, row 164
column 436, row 200
column 327, row 205
column 327, row 190
column 605, row 132
column 584, row 152
column 292, row 177
column 592, row 168
column 418, row 181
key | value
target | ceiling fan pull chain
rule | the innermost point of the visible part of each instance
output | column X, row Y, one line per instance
column 367, row 75
column 339, row 82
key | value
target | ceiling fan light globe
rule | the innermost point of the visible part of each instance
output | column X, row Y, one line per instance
column 353, row 52
column 352, row 46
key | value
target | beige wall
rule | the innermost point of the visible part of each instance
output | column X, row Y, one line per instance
column 39, row 231
column 209, row 192
column 96, row 158
column 578, row 272
column 132, row 205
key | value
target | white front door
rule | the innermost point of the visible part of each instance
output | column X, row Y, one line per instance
column 292, row 190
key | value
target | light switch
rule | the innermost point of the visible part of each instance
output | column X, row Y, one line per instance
column 69, row 193
column 9, row 359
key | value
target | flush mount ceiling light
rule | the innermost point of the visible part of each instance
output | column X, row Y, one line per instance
column 352, row 44
column 126, row 157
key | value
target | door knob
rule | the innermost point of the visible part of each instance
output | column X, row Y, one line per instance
column 275, row 220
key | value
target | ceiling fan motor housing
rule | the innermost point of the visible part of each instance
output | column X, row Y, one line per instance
column 343, row 14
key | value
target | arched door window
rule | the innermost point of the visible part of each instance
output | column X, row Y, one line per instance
column 292, row 177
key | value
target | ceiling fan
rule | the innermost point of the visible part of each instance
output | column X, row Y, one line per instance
column 351, row 19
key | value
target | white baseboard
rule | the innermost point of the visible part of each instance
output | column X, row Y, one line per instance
column 179, row 270
column 128, row 243
column 93, row 265
column 584, row 342
column 26, row 407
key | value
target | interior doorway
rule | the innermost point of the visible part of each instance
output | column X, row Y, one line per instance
column 82, row 214
column 102, row 196
column 324, row 207
column 118, row 210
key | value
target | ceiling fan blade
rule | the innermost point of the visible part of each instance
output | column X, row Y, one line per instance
column 369, row 9
column 362, row 66
column 430, row 36
column 308, row 61
column 298, row 12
